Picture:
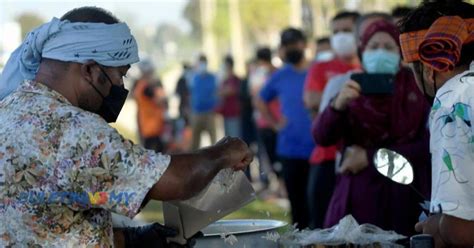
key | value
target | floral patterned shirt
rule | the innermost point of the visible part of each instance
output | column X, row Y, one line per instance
column 63, row 171
column 452, row 147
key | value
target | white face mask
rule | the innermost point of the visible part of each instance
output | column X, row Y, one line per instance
column 343, row 43
column 259, row 75
column 324, row 56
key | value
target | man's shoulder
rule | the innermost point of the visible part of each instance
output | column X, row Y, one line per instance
column 319, row 65
column 458, row 89
column 284, row 71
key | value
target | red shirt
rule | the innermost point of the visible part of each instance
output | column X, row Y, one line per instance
column 318, row 76
column 320, row 73
column 230, row 106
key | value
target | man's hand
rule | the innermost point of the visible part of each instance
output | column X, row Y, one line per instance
column 278, row 126
column 153, row 235
column 240, row 155
column 431, row 226
column 355, row 160
column 188, row 174
column 349, row 92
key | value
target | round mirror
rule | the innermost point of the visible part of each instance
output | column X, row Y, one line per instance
column 394, row 166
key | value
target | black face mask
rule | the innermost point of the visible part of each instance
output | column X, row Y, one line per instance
column 112, row 103
column 293, row 56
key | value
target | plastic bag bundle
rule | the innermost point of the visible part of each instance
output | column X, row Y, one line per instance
column 348, row 231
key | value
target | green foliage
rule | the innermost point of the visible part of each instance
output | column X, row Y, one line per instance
column 28, row 21
column 264, row 16
column 258, row 209
column 192, row 13
column 221, row 23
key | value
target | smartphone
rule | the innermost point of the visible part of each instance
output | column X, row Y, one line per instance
column 375, row 83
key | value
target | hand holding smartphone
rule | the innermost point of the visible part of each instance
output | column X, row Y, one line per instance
column 375, row 83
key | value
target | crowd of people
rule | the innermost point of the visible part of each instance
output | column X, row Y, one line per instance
column 315, row 129
column 314, row 125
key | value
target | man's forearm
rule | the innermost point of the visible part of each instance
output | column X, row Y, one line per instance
column 455, row 231
column 312, row 100
column 209, row 161
column 189, row 173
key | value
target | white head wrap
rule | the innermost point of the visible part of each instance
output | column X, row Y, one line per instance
column 107, row 44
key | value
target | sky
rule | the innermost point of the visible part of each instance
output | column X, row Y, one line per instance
column 141, row 12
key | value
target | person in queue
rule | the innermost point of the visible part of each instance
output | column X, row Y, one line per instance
column 365, row 123
column 229, row 92
column 324, row 51
column 58, row 91
column 294, row 142
column 321, row 175
column 336, row 83
column 152, row 104
column 204, row 100
column 437, row 41
column 266, row 135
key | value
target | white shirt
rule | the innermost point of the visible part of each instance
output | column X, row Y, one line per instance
column 452, row 147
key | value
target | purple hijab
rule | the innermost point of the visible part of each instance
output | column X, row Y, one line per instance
column 387, row 119
column 396, row 122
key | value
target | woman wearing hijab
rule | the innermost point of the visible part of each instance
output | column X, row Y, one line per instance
column 365, row 123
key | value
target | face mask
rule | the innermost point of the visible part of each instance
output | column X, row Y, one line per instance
column 293, row 56
column 381, row 61
column 343, row 43
column 202, row 67
column 324, row 56
column 259, row 75
column 111, row 104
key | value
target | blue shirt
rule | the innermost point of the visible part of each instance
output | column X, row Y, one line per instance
column 287, row 84
column 203, row 93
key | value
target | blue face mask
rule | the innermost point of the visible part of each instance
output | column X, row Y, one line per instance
column 202, row 67
column 381, row 61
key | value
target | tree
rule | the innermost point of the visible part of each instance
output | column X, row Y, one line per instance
column 28, row 21
column 263, row 20
column 167, row 32
column 192, row 13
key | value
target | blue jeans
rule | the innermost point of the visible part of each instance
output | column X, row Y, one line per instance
column 232, row 126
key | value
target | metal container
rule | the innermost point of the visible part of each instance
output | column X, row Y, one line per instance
column 211, row 204
column 248, row 233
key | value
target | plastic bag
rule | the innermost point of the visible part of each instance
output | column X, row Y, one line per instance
column 348, row 231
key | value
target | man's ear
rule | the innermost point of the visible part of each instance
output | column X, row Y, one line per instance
column 89, row 71
column 429, row 74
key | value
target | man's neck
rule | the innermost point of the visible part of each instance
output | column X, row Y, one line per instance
column 48, row 77
column 301, row 65
column 446, row 76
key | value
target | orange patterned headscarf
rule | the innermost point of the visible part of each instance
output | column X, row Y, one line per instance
column 438, row 47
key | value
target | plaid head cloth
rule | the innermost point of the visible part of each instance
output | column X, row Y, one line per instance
column 439, row 46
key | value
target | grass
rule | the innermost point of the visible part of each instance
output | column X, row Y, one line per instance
column 257, row 209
